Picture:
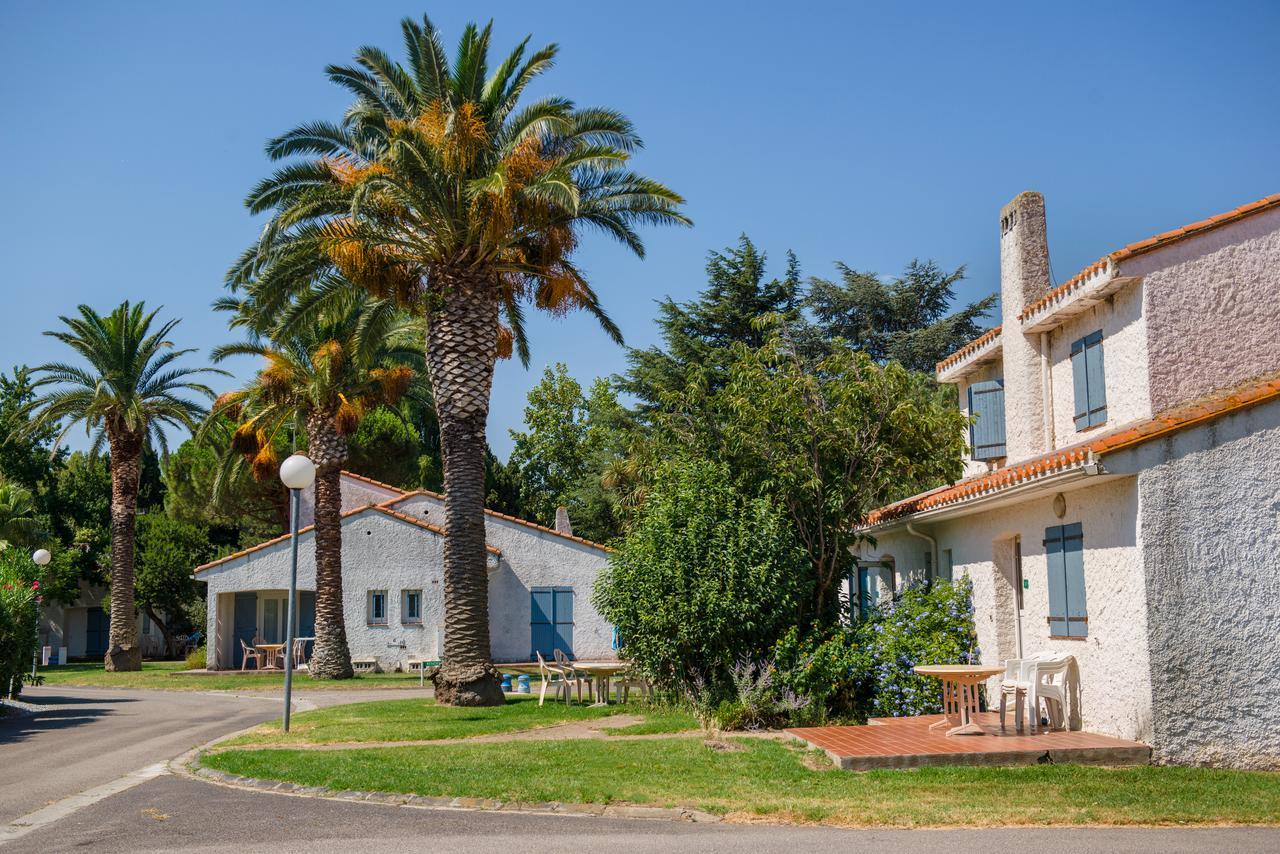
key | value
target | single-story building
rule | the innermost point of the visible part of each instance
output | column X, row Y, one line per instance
column 1121, row 498
column 82, row 627
column 540, row 584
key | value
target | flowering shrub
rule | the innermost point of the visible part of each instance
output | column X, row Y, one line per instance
column 923, row 624
column 18, row 598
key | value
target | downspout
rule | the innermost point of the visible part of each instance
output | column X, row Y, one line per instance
column 1046, row 389
column 933, row 545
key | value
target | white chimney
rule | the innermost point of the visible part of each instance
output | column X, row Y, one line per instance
column 1024, row 278
column 562, row 520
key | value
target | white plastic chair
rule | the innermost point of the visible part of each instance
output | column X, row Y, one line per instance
column 573, row 679
column 1048, row 679
column 1016, row 683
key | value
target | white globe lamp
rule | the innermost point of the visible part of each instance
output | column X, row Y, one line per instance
column 41, row 557
column 298, row 472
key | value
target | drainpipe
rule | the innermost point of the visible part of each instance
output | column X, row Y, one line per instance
column 1046, row 389
column 933, row 545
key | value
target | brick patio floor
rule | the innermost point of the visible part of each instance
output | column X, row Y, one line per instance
column 908, row 743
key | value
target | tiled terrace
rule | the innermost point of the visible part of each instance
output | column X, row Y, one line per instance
column 908, row 743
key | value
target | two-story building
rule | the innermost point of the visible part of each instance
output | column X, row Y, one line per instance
column 1121, row 498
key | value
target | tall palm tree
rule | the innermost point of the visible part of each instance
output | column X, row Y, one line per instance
column 324, row 375
column 17, row 516
column 440, row 190
column 125, row 397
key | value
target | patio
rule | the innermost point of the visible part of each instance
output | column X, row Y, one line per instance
column 910, row 743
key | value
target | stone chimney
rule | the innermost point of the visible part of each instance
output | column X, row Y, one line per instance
column 1024, row 278
column 562, row 520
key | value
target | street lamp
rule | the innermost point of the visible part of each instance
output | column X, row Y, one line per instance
column 40, row 557
column 297, row 473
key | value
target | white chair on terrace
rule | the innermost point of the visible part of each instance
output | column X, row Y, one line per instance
column 572, row 678
column 1048, row 677
column 251, row 654
column 1016, row 683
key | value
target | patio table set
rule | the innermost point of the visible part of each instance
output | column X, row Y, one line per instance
column 1045, row 679
column 563, row 677
column 270, row 656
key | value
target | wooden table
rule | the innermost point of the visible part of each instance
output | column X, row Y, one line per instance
column 271, row 651
column 959, row 694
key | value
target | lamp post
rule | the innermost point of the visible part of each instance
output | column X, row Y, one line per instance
column 40, row 557
column 297, row 473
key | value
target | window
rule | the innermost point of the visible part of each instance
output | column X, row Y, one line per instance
column 146, row 623
column 948, row 566
column 377, row 608
column 1064, row 553
column 411, row 606
column 868, row 589
column 551, row 621
column 986, row 407
column 928, row 567
column 1090, row 385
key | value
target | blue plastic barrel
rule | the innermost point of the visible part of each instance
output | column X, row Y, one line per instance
column 523, row 683
column 506, row 682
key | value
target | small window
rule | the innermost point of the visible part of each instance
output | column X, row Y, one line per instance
column 1089, row 379
column 377, row 610
column 411, row 606
column 986, row 408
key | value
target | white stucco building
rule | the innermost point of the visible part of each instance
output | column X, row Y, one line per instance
column 1121, row 498
column 540, row 584
column 82, row 627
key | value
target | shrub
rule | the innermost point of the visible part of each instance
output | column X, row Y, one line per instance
column 835, row 672
column 197, row 659
column 19, row 595
column 923, row 624
column 705, row 578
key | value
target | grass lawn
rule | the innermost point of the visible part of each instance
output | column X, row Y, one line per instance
column 164, row 675
column 422, row 720
column 779, row 781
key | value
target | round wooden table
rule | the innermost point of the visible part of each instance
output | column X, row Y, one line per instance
column 959, row 694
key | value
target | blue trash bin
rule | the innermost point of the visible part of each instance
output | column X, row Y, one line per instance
column 523, row 683
column 506, row 682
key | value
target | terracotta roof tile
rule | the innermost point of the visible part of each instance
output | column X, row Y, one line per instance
column 1151, row 243
column 1170, row 421
column 525, row 522
column 377, row 508
column 972, row 347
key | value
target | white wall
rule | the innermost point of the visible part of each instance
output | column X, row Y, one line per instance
column 1115, row 682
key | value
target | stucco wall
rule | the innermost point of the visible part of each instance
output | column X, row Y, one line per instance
column 1211, row 311
column 1124, row 344
column 1210, row 505
column 382, row 553
column 1115, row 679
column 355, row 494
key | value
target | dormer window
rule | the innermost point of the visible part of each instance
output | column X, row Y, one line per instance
column 986, row 406
column 1089, row 379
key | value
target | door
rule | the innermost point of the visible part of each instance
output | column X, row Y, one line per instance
column 307, row 618
column 868, row 590
column 97, row 630
column 246, row 625
column 551, row 621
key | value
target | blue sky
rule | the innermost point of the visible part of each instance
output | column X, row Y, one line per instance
column 867, row 133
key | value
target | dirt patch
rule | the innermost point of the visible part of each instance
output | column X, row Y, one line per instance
column 723, row 746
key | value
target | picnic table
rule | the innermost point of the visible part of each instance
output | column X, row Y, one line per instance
column 272, row 651
column 959, row 694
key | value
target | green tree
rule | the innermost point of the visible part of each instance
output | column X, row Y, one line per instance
column 233, row 508
column 907, row 320
column 550, row 454
column 325, row 376
column 168, row 550
column 705, row 578
column 18, row 525
column 698, row 335
column 128, row 393
column 440, row 189
column 385, row 448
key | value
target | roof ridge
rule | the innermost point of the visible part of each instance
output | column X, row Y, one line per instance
column 516, row 519
column 378, row 483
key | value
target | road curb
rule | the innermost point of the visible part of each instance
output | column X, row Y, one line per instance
column 184, row 766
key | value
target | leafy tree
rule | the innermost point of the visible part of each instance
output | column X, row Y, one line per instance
column 167, row 552
column 19, row 593
column 18, row 525
column 907, row 320
column 25, row 459
column 128, row 394
column 326, row 377
column 706, row 577
column 442, row 191
column 699, row 334
column 385, row 448
column 550, row 454
column 232, row 507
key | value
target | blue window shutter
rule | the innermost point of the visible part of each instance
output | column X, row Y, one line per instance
column 1073, row 570
column 1097, row 379
column 564, row 620
column 541, row 629
column 1055, row 561
column 1080, row 381
column 986, row 405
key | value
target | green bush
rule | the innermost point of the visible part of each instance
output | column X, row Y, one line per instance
column 706, row 578
column 19, row 594
column 835, row 672
column 197, row 659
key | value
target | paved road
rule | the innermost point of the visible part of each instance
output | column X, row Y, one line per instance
column 180, row 814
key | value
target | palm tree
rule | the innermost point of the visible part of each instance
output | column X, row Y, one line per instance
column 17, row 516
column 440, row 190
column 126, row 396
column 324, row 375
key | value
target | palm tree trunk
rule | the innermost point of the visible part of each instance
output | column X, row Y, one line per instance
column 462, row 343
column 123, row 649
column 331, row 657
